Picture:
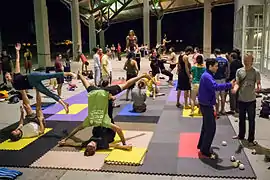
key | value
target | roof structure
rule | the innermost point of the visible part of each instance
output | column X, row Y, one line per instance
column 113, row 11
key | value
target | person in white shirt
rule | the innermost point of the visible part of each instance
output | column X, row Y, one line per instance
column 31, row 125
column 97, row 66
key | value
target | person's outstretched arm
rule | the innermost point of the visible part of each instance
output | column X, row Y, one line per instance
column 21, row 118
column 17, row 65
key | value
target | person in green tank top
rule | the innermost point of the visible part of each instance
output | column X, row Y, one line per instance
column 100, row 116
column 196, row 71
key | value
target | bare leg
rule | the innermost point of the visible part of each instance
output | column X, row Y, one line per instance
column 59, row 89
column 223, row 101
column 26, row 103
column 186, row 96
column 178, row 98
column 86, row 83
column 127, row 93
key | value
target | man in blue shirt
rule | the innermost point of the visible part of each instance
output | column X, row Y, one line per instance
column 207, row 99
column 220, row 78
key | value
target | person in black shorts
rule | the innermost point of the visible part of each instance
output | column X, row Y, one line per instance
column 102, row 138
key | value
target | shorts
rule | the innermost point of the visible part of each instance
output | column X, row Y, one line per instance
column 194, row 89
column 60, row 80
column 113, row 90
column 28, row 64
column 220, row 81
column 31, row 118
column 139, row 109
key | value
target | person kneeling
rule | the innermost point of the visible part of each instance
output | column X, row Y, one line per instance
column 139, row 98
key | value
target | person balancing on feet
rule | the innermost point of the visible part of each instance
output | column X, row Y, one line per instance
column 207, row 100
column 100, row 116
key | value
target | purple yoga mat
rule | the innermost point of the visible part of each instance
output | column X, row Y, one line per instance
column 173, row 96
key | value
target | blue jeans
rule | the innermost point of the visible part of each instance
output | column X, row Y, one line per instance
column 208, row 130
column 35, row 80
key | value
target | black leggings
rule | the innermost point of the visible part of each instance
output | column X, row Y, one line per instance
column 167, row 73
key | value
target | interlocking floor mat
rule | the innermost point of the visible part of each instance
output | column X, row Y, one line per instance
column 44, row 105
column 20, row 144
column 70, row 160
column 39, row 147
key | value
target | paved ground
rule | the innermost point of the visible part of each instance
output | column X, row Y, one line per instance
column 262, row 136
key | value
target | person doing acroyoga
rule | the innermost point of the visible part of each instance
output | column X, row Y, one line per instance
column 34, row 80
column 152, row 89
column 100, row 116
column 31, row 125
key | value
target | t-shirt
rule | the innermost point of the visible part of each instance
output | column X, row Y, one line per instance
column 105, row 65
column 138, row 97
column 222, row 67
column 234, row 66
column 98, row 109
column 20, row 82
column 247, row 82
column 58, row 66
column 109, row 64
column 6, row 66
column 197, row 72
column 30, row 130
column 96, row 61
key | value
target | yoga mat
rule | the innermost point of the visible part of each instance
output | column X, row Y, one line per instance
column 151, row 110
column 22, row 143
column 173, row 96
column 74, row 109
column 69, row 117
column 186, row 113
column 133, row 157
column 70, row 160
column 137, row 119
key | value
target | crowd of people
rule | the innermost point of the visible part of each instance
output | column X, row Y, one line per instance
column 206, row 82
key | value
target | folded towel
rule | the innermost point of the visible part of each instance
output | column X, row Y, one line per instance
column 9, row 173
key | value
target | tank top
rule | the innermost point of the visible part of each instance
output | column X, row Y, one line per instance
column 182, row 69
column 130, row 68
column 132, row 42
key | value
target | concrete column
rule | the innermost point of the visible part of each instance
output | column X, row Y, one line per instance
column 42, row 33
column 159, row 30
column 92, row 34
column 207, row 29
column 76, row 28
column 146, row 22
column 102, row 39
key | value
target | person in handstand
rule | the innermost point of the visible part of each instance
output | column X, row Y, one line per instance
column 31, row 125
column 100, row 116
column 34, row 80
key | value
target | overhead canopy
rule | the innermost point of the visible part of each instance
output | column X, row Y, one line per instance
column 114, row 11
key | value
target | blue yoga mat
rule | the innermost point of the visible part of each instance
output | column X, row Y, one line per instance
column 9, row 174
column 127, row 111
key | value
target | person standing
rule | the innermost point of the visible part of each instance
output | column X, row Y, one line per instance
column 6, row 64
column 97, row 66
column 105, row 65
column 119, row 51
column 207, row 100
column 234, row 66
column 59, row 68
column 28, row 61
column 247, row 78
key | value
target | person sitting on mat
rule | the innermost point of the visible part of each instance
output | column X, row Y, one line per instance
column 152, row 88
column 139, row 98
column 31, row 125
column 34, row 80
column 100, row 110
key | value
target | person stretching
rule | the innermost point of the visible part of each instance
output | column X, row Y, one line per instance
column 207, row 99
column 34, row 80
column 152, row 88
column 97, row 98
column 139, row 98
column 31, row 125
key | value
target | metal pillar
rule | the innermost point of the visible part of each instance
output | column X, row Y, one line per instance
column 92, row 34
column 207, row 29
column 102, row 39
column 146, row 22
column 159, row 30
column 76, row 28
column 42, row 33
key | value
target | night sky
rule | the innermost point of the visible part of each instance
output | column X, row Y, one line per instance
column 17, row 25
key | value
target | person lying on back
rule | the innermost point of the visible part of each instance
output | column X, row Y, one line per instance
column 31, row 125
